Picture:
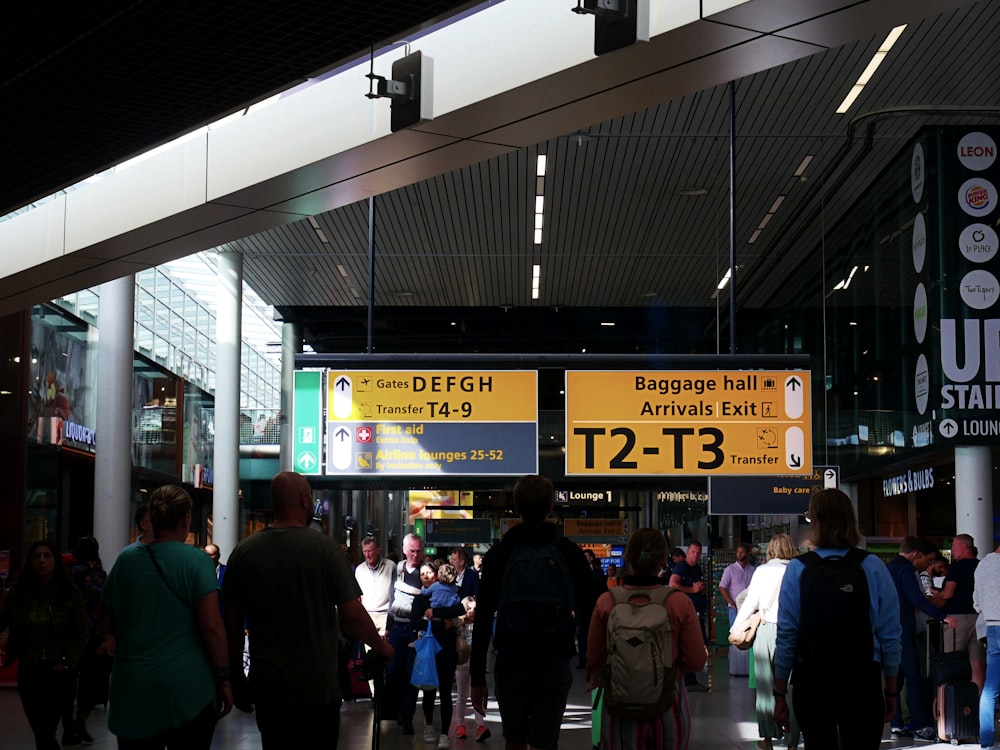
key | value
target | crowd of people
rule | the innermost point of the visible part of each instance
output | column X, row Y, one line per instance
column 160, row 639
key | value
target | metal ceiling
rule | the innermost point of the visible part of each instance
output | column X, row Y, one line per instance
column 92, row 84
column 619, row 232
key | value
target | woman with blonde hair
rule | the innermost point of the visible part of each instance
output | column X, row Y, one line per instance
column 645, row 556
column 170, row 679
column 762, row 596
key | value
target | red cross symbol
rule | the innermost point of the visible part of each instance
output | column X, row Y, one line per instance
column 364, row 434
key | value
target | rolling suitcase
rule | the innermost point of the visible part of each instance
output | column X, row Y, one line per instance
column 956, row 697
column 956, row 709
column 739, row 662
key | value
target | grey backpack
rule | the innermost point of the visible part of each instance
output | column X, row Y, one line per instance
column 639, row 676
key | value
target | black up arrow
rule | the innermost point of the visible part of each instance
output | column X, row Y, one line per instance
column 794, row 384
column 343, row 383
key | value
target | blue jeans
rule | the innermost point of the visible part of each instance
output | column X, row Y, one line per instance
column 987, row 701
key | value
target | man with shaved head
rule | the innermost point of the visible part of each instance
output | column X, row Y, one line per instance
column 288, row 583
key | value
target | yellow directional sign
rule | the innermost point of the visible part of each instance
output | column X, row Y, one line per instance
column 688, row 423
column 433, row 396
column 422, row 423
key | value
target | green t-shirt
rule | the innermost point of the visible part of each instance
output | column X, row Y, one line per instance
column 161, row 676
column 289, row 580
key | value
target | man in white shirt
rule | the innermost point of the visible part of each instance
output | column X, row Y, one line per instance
column 735, row 579
column 375, row 577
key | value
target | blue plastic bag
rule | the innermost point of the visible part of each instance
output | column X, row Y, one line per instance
column 425, row 674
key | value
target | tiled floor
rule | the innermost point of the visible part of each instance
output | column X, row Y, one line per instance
column 723, row 720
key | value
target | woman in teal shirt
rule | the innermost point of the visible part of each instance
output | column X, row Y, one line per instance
column 48, row 632
column 170, row 680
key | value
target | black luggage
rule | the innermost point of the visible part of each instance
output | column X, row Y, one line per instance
column 956, row 709
column 956, row 697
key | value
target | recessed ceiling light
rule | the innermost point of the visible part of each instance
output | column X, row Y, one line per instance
column 609, row 325
column 692, row 191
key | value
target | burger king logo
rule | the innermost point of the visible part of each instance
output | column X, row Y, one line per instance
column 977, row 197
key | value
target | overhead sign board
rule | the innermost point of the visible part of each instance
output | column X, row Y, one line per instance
column 607, row 527
column 688, row 423
column 772, row 496
column 426, row 423
column 307, row 422
column 449, row 532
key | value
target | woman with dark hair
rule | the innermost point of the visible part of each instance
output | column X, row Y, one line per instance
column 94, row 669
column 170, row 680
column 645, row 556
column 48, row 632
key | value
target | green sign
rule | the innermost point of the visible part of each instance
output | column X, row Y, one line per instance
column 307, row 416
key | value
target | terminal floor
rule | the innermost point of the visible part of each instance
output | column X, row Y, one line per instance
column 724, row 719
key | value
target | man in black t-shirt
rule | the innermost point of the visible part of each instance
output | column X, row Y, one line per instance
column 686, row 576
column 959, row 584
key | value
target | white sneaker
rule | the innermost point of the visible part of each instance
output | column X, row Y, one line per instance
column 430, row 734
column 443, row 742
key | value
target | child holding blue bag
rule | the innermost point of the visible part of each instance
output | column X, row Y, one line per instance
column 438, row 590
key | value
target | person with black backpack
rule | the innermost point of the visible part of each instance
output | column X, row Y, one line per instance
column 536, row 584
column 838, row 636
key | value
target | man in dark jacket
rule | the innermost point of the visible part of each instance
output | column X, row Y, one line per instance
column 914, row 556
column 532, row 683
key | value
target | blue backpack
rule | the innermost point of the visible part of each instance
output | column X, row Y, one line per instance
column 535, row 612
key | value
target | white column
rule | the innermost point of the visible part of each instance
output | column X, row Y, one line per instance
column 113, row 460
column 228, row 323
column 291, row 344
column 974, row 495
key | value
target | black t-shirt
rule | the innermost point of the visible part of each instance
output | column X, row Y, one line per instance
column 689, row 575
column 963, row 573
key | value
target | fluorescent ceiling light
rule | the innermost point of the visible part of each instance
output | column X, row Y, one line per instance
column 538, row 236
column 776, row 205
column 536, row 275
column 725, row 280
column 609, row 325
column 539, row 204
column 803, row 165
column 540, row 166
column 538, row 222
column 869, row 71
column 753, row 237
column 764, row 221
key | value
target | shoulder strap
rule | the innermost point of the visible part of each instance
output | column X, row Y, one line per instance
column 618, row 595
column 856, row 555
column 163, row 576
column 810, row 558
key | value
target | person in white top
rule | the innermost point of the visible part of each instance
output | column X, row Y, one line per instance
column 375, row 577
column 986, row 600
column 762, row 595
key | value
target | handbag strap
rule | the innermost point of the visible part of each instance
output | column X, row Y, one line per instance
column 163, row 576
column 774, row 595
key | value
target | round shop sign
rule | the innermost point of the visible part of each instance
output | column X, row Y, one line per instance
column 979, row 289
column 977, row 197
column 977, row 151
column 917, row 173
column 919, row 243
column 978, row 243
column 921, row 384
column 920, row 313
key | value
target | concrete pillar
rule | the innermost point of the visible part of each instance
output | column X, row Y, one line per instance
column 291, row 344
column 228, row 323
column 974, row 495
column 113, row 460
